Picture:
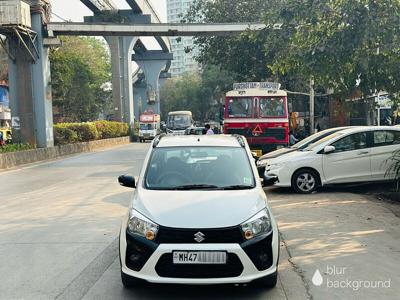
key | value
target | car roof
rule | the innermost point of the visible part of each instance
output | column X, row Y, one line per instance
column 198, row 141
column 367, row 128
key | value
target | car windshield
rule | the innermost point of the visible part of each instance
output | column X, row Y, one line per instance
column 240, row 107
column 194, row 168
column 179, row 121
column 322, row 141
column 144, row 126
column 313, row 138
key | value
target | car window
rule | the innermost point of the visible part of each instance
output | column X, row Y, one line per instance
column 351, row 142
column 322, row 141
column 314, row 138
column 386, row 138
column 170, row 168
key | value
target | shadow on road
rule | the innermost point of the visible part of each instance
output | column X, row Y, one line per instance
column 152, row 291
column 374, row 189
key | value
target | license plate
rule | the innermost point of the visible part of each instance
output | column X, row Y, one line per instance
column 198, row 257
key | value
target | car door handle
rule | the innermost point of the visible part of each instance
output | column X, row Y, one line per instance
column 363, row 152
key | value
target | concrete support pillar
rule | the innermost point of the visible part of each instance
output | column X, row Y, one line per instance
column 121, row 52
column 21, row 100
column 117, row 84
column 140, row 99
column 41, row 82
column 30, row 93
column 126, row 45
column 152, row 63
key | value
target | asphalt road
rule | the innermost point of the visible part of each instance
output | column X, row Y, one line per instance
column 59, row 225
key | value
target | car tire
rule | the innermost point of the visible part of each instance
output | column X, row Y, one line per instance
column 268, row 282
column 305, row 181
column 130, row 282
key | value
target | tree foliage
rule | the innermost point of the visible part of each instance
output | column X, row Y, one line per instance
column 244, row 56
column 203, row 94
column 79, row 69
column 344, row 45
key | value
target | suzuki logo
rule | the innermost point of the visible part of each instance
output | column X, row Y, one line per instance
column 199, row 237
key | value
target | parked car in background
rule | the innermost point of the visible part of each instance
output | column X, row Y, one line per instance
column 168, row 235
column 263, row 160
column 360, row 154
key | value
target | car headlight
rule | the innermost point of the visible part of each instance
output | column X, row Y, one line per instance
column 262, row 163
column 258, row 225
column 139, row 224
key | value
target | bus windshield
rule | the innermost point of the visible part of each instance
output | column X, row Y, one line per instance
column 272, row 107
column 179, row 122
column 240, row 107
column 147, row 126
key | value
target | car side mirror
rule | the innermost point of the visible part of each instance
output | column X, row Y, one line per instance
column 329, row 149
column 127, row 181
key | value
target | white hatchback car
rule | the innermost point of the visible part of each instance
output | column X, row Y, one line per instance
column 199, row 215
column 360, row 154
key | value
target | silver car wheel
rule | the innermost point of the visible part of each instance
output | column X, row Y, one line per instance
column 306, row 182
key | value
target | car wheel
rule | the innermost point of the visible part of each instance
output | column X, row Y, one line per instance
column 305, row 181
column 268, row 282
column 130, row 282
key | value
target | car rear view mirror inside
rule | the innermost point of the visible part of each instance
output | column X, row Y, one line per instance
column 329, row 149
column 127, row 181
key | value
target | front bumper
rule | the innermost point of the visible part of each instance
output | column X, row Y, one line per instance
column 270, row 180
column 244, row 256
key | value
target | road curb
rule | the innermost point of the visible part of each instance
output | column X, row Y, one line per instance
column 14, row 159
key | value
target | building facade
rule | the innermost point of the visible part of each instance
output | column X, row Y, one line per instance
column 183, row 58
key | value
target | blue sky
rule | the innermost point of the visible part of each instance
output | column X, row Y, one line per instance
column 74, row 10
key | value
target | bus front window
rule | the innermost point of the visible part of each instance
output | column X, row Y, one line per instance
column 240, row 107
column 272, row 107
column 147, row 126
column 179, row 122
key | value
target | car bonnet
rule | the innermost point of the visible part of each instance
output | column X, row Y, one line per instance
column 199, row 209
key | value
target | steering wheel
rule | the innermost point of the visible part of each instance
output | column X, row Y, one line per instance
column 174, row 176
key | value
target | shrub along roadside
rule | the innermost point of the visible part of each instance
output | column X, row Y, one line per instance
column 15, row 148
column 69, row 133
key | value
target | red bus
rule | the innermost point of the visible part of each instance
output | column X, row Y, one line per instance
column 258, row 111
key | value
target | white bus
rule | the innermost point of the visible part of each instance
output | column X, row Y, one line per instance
column 179, row 121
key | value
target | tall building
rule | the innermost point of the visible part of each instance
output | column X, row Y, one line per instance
column 183, row 62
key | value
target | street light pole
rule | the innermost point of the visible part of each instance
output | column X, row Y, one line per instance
column 312, row 107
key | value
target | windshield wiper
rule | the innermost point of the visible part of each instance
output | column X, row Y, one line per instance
column 194, row 187
column 237, row 187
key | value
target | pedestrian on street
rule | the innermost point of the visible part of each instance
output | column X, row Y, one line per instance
column 209, row 130
column 292, row 138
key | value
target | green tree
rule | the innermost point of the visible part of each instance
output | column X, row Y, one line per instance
column 345, row 45
column 203, row 93
column 80, row 68
column 244, row 56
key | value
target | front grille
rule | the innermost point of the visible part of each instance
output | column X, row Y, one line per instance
column 278, row 134
column 166, row 268
column 240, row 131
column 228, row 235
